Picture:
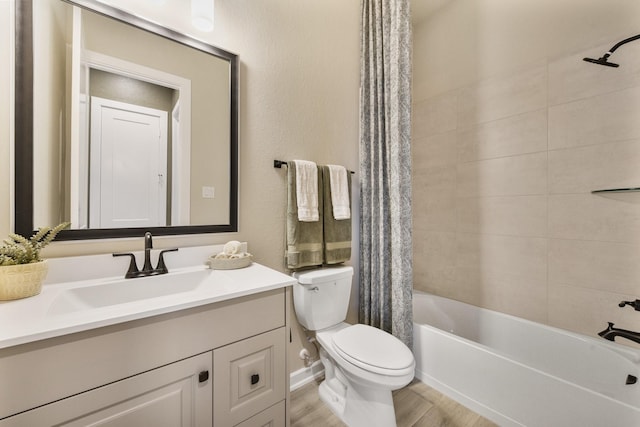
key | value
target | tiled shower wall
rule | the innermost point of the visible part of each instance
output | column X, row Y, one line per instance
column 503, row 172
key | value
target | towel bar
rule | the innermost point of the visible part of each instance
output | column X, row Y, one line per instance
column 279, row 163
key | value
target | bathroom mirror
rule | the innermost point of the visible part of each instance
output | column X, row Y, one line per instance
column 122, row 126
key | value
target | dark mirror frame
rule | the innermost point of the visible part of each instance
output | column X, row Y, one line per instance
column 24, row 125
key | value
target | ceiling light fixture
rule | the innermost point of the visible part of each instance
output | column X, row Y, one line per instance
column 202, row 14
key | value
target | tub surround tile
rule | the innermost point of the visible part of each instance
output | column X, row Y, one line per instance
column 587, row 311
column 503, row 96
column 527, row 302
column 436, row 150
column 521, row 261
column 594, row 167
column 603, row 266
column 594, row 217
column 437, row 181
column 596, row 120
column 436, row 255
column 503, row 273
column 522, row 134
column 571, row 79
column 505, row 215
column 503, row 170
column 435, row 213
column 516, row 175
column 435, row 115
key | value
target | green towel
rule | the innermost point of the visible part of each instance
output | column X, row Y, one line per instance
column 304, row 239
column 337, row 233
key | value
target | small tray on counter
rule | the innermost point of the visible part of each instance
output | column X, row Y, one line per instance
column 229, row 263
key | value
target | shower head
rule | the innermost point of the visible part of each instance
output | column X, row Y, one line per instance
column 603, row 60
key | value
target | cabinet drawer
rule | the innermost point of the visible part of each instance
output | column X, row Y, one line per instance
column 249, row 377
column 270, row 417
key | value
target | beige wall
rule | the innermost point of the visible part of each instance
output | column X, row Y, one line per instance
column 299, row 84
column 49, row 95
column 6, row 115
column 512, row 131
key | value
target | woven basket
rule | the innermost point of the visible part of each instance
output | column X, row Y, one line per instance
column 229, row 264
column 23, row 280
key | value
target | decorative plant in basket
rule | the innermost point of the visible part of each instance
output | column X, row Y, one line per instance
column 22, row 270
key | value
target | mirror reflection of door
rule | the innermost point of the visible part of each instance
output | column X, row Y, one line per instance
column 119, row 86
column 128, row 167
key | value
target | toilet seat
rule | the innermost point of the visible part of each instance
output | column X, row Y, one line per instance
column 373, row 350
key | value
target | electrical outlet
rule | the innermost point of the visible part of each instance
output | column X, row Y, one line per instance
column 208, row 192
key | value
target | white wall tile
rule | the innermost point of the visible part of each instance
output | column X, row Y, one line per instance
column 503, row 96
column 594, row 167
column 506, row 215
column 596, row 120
column 517, row 175
column 521, row 134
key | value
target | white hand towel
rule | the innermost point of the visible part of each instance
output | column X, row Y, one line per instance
column 339, row 192
column 307, row 190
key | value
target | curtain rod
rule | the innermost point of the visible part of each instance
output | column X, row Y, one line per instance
column 279, row 163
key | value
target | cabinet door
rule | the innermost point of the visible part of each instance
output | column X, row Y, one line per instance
column 178, row 394
column 250, row 377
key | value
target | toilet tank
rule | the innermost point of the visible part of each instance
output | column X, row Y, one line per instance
column 321, row 297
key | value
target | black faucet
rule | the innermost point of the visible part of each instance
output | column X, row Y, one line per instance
column 147, row 269
column 635, row 304
column 610, row 333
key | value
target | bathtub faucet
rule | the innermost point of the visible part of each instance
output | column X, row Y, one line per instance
column 635, row 304
column 610, row 333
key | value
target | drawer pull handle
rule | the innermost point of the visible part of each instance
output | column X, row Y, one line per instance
column 203, row 376
column 255, row 379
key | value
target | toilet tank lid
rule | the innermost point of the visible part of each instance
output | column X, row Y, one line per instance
column 323, row 275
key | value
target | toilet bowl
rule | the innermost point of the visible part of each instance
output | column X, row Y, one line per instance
column 363, row 365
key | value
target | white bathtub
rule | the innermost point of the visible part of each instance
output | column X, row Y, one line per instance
column 521, row 373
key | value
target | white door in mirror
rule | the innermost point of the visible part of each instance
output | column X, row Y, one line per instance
column 128, row 165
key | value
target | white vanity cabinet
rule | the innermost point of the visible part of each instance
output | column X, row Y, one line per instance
column 170, row 396
column 222, row 364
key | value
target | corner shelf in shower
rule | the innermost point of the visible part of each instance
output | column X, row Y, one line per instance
column 617, row 190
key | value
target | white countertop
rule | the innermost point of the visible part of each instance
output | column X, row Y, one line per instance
column 40, row 317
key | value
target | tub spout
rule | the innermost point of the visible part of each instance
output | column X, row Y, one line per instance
column 635, row 304
column 611, row 333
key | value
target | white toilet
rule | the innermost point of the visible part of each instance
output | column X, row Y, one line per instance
column 362, row 364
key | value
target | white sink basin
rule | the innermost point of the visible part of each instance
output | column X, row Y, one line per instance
column 127, row 290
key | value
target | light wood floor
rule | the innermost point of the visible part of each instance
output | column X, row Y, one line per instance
column 417, row 405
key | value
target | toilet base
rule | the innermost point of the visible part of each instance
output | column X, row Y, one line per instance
column 372, row 409
column 354, row 404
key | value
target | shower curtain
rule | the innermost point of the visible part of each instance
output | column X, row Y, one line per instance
column 386, row 277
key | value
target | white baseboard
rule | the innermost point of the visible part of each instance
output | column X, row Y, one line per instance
column 304, row 376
